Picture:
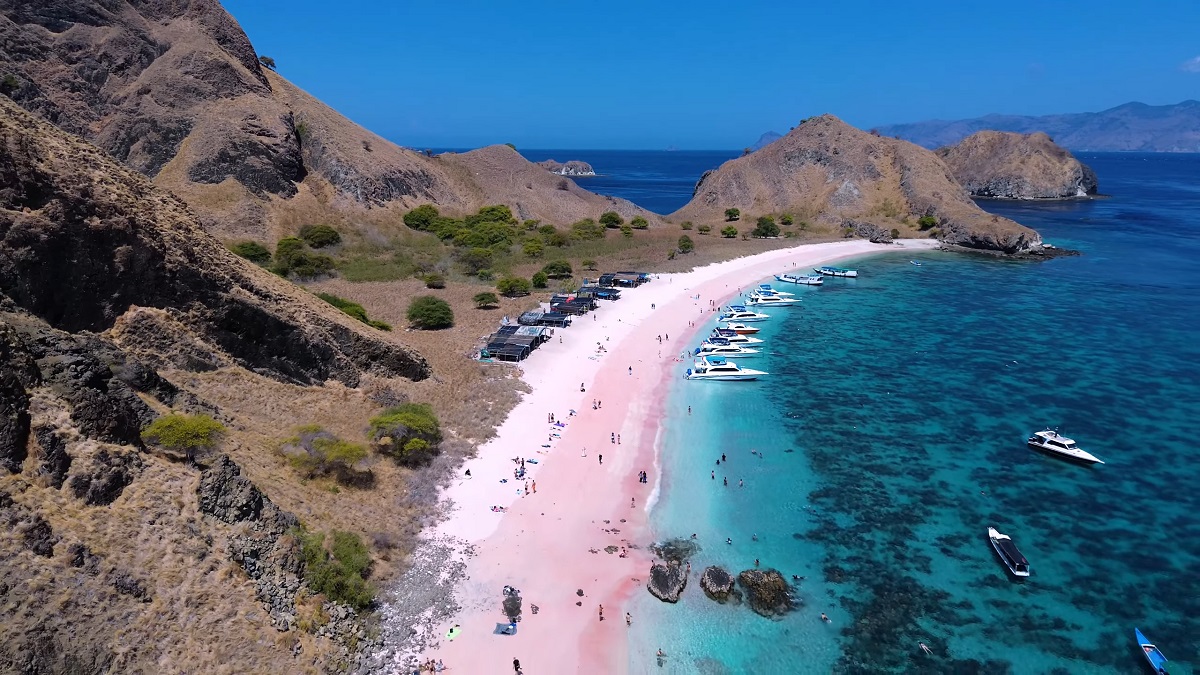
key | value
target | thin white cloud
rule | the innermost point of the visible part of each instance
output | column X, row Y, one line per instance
column 1191, row 65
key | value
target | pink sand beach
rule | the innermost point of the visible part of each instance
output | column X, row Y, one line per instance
column 551, row 543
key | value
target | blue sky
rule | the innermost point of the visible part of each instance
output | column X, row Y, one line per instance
column 713, row 75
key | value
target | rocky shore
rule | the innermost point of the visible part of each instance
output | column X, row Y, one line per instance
column 573, row 167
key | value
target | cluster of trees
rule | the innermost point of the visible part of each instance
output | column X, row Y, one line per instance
column 427, row 312
column 316, row 453
column 353, row 309
column 292, row 256
column 337, row 566
column 410, row 433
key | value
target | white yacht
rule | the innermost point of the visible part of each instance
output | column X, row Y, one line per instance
column 836, row 271
column 762, row 300
column 741, row 314
column 741, row 328
column 733, row 337
column 766, row 289
column 1009, row 555
column 718, row 349
column 717, row 368
column 1053, row 443
column 803, row 280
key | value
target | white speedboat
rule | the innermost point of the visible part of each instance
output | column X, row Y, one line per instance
column 836, row 272
column 770, row 301
column 767, row 290
column 718, row 349
column 718, row 368
column 741, row 314
column 803, row 280
column 732, row 337
column 741, row 328
column 1009, row 555
column 1053, row 443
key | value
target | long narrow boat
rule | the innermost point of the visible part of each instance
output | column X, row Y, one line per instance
column 803, row 280
column 1153, row 656
column 836, row 271
column 1009, row 555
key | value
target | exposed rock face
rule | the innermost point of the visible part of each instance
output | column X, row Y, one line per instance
column 106, row 478
column 718, row 584
column 83, row 240
column 1002, row 165
column 767, row 592
column 572, row 167
column 833, row 173
column 667, row 581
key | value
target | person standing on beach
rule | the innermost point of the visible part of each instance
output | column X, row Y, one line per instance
column 618, row 439
column 628, row 619
column 601, row 459
column 516, row 666
column 535, row 487
column 601, row 612
column 630, row 370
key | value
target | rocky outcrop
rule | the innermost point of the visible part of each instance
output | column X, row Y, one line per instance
column 572, row 167
column 667, row 580
column 832, row 173
column 84, row 240
column 109, row 473
column 718, row 584
column 767, row 592
column 1002, row 165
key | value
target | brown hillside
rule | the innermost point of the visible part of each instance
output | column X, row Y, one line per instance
column 828, row 171
column 175, row 91
column 998, row 164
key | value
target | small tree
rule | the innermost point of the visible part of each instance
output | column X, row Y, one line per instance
column 786, row 220
column 475, row 259
column 320, row 236
column 533, row 248
column 687, row 225
column 188, row 434
column 422, row 217
column 513, row 286
column 394, row 430
column 252, row 251
column 639, row 223
column 540, row 279
column 765, row 227
column 611, row 219
column 267, row 62
column 927, row 222
column 627, row 230
column 686, row 245
column 589, row 264
column 732, row 214
column 558, row 269
column 485, row 300
column 587, row 230
column 429, row 313
column 704, row 229
column 729, row 232
column 339, row 570
column 434, row 280
column 895, row 233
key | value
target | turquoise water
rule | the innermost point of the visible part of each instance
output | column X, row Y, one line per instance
column 893, row 427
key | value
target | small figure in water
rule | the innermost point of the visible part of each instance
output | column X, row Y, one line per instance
column 825, row 618
column 925, row 648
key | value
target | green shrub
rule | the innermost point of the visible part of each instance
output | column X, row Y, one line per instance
column 475, row 259
column 252, row 251
column 589, row 264
column 434, row 280
column 293, row 259
column 788, row 234
column 611, row 219
column 729, row 232
column 557, row 239
column 687, row 225
column 188, row 434
column 531, row 225
column 587, row 230
column 429, row 313
column 394, row 430
column 686, row 245
column 485, row 275
column 765, row 227
column 639, row 223
column 353, row 310
column 895, row 233
column 547, row 229
column 422, row 217
column 558, row 269
column 704, row 229
column 539, row 279
column 513, row 286
column 927, row 222
column 320, row 236
column 485, row 299
column 533, row 248
column 317, row 452
column 671, row 254
column 732, row 214
column 786, row 219
column 338, row 572
column 627, row 230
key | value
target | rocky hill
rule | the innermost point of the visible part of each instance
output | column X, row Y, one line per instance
column 766, row 139
column 572, row 167
column 176, row 91
column 996, row 164
column 1134, row 127
column 827, row 171
column 115, row 306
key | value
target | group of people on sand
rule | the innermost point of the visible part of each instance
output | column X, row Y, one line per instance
column 431, row 666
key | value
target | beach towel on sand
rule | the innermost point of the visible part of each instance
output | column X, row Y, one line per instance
column 453, row 633
column 505, row 629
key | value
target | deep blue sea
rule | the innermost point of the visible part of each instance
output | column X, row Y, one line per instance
column 893, row 425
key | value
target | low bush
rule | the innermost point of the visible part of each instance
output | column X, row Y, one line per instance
column 187, row 434
column 434, row 280
column 320, row 236
column 587, row 230
column 252, row 251
column 589, row 264
column 485, row 300
column 353, row 310
column 704, row 229
column 337, row 570
column 293, row 259
column 687, row 225
column 627, row 230
column 539, row 279
column 513, row 286
column 639, row 223
column 558, row 269
column 895, row 233
column 429, row 313
column 927, row 222
column 686, row 245
column 729, row 232
column 765, row 227
column 732, row 214
column 786, row 220
column 611, row 219
column 422, row 217
column 394, row 430
column 533, row 248
column 316, row 452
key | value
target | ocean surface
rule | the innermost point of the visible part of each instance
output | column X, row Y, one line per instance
column 892, row 428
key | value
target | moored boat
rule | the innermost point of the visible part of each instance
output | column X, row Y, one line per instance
column 718, row 368
column 1055, row 444
column 1153, row 655
column 836, row 271
column 1009, row 555
column 741, row 314
column 771, row 301
column 914, row 262
column 766, row 288
column 803, row 280
column 733, row 337
column 741, row 328
column 711, row 348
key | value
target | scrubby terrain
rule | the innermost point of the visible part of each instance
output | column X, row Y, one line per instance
column 1002, row 165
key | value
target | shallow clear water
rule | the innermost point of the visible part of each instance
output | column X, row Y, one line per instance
column 893, row 427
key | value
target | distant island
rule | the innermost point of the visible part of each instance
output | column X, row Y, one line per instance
column 1005, row 165
column 573, row 167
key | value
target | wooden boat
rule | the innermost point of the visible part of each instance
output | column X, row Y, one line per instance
column 836, row 271
column 1158, row 662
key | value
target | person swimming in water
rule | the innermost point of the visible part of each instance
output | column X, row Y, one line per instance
column 925, row 648
column 826, row 619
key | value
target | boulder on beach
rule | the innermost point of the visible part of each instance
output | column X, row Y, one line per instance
column 767, row 592
column 667, row 581
column 718, row 584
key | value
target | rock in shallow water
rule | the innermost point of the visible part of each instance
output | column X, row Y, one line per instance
column 667, row 581
column 767, row 592
column 718, row 584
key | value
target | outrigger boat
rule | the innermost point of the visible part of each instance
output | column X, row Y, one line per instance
column 836, row 272
column 805, row 280
column 1153, row 656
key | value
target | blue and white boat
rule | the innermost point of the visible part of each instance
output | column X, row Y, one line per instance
column 836, row 272
column 766, row 289
column 732, row 337
column 717, row 368
column 763, row 299
column 711, row 348
column 1154, row 657
column 803, row 280
column 740, row 314
column 914, row 262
